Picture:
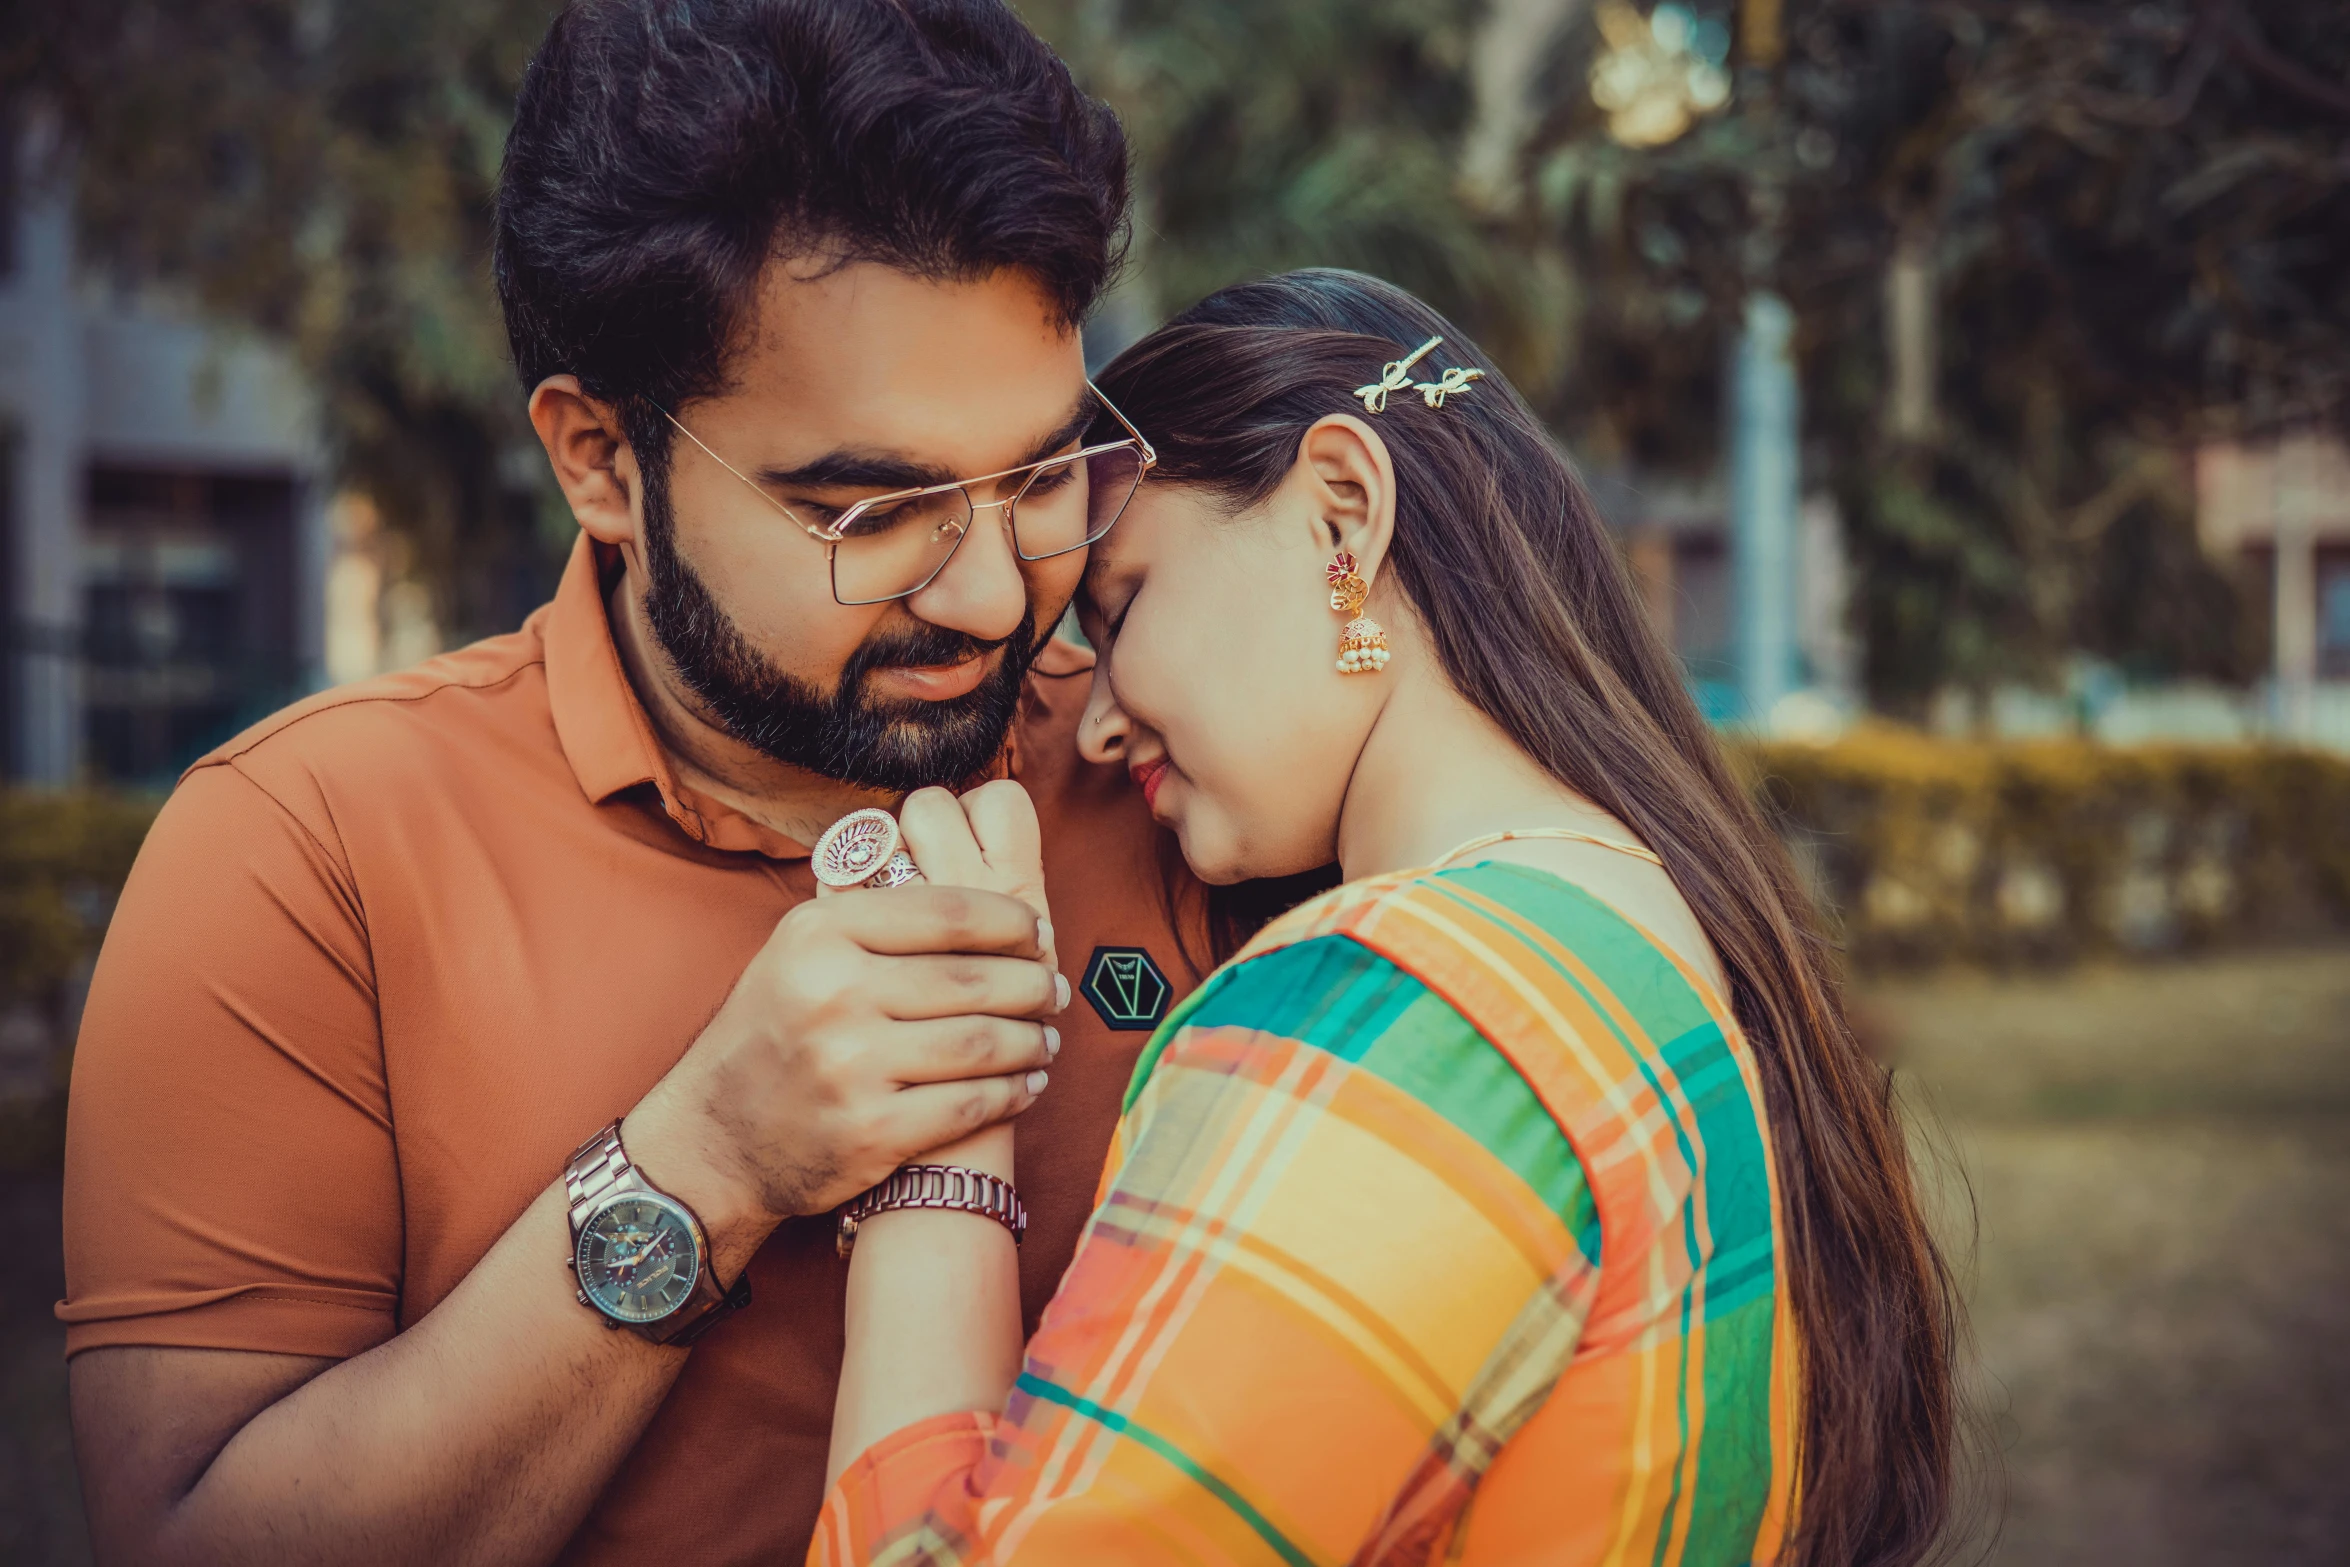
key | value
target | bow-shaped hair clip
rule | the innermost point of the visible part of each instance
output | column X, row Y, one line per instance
column 1457, row 379
column 1394, row 376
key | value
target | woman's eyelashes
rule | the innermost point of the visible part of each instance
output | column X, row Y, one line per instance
column 1106, row 604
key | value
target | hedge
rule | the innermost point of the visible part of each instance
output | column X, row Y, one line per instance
column 1927, row 851
column 63, row 858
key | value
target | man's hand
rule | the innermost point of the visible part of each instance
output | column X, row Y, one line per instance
column 871, row 1027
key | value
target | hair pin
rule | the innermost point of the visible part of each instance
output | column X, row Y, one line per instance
column 1394, row 376
column 1457, row 379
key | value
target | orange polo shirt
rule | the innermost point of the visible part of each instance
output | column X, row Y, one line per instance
column 388, row 957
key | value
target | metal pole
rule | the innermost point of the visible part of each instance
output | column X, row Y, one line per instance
column 1765, row 502
column 50, row 475
column 2295, row 584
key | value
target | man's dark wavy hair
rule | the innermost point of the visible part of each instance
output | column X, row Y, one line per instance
column 664, row 151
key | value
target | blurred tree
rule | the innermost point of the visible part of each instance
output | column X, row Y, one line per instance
column 1317, row 132
column 2036, row 249
column 321, row 170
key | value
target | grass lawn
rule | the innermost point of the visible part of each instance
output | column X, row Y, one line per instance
column 2160, row 1162
column 2160, row 1166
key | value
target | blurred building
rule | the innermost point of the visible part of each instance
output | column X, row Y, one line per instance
column 163, row 535
column 1678, row 540
column 2282, row 507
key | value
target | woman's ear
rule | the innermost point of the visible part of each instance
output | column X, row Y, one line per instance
column 1350, row 479
column 593, row 465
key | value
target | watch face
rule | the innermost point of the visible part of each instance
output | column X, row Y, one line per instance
column 637, row 1259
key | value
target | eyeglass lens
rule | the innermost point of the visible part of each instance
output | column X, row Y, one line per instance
column 894, row 547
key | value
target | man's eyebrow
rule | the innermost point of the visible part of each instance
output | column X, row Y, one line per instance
column 859, row 470
column 1072, row 429
column 893, row 471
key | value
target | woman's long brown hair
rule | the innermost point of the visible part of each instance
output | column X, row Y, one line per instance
column 1538, row 623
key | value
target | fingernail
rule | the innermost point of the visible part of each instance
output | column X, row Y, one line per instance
column 1052, row 1043
column 1044, row 935
column 1036, row 1082
column 1060, row 991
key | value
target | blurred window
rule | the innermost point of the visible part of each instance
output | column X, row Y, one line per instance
column 2333, row 612
column 188, row 614
column 13, row 636
column 8, row 203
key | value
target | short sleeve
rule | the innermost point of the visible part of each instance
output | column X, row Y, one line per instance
column 231, row 1180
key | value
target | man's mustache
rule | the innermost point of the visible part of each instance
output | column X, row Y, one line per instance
column 926, row 646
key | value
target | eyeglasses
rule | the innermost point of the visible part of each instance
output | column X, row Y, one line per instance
column 888, row 546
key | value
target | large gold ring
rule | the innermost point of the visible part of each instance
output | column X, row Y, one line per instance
column 855, row 849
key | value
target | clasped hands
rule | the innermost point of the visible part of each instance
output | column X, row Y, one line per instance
column 873, row 1028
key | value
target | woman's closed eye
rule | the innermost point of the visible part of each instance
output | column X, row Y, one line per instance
column 1111, row 616
column 1103, row 603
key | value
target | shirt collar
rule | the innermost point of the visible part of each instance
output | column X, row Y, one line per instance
column 603, row 728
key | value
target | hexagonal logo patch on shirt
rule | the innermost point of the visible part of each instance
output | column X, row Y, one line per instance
column 1126, row 988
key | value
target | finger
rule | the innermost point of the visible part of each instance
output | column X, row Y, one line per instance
column 938, row 835
column 931, row 1115
column 1003, row 822
column 951, row 1049
column 921, row 987
column 926, row 918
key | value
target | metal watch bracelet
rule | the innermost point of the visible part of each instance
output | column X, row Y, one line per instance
column 936, row 1186
column 600, row 1168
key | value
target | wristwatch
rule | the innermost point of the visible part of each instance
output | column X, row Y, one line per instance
column 640, row 1256
column 935, row 1186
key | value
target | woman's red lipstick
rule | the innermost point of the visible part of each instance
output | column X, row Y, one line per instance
column 1149, row 775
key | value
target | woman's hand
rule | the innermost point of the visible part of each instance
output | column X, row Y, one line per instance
column 988, row 839
column 933, row 1321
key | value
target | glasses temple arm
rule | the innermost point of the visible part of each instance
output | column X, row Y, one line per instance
column 824, row 535
column 1150, row 453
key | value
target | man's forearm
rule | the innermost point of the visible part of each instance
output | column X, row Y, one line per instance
column 485, row 1432
column 481, row 1435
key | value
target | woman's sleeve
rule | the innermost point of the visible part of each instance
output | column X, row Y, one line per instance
column 1344, row 1255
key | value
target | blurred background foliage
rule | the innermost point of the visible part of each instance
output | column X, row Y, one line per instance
column 2034, row 249
column 322, row 170
column 63, row 860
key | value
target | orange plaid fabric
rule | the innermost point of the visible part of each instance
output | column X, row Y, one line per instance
column 1440, row 1228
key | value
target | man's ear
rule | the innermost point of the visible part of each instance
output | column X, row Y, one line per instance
column 593, row 465
column 1350, row 479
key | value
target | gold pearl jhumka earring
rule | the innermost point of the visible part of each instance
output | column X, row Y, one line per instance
column 1362, row 645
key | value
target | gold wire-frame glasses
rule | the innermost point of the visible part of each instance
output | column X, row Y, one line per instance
column 891, row 546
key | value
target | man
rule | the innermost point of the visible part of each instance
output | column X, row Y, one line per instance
column 391, row 957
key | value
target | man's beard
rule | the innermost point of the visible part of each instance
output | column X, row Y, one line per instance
column 878, row 744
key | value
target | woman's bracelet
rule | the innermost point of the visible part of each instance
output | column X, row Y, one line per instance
column 935, row 1186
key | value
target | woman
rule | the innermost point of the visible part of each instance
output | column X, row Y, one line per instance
column 1525, row 1199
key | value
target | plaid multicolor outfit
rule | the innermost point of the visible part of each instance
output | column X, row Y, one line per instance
column 1440, row 1227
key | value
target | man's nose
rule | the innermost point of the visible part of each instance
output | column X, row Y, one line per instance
column 981, row 592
